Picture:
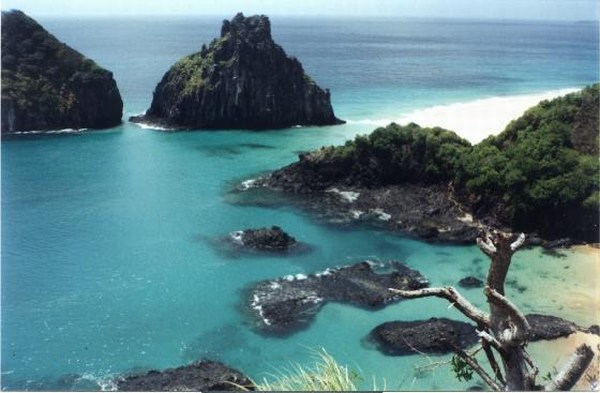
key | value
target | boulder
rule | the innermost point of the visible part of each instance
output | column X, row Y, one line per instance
column 283, row 305
column 434, row 336
column 548, row 327
column 46, row 85
column 241, row 80
column 204, row 375
column 267, row 239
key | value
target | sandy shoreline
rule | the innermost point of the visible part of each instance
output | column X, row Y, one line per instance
column 476, row 120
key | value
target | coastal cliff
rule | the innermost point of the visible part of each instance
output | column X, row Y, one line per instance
column 46, row 85
column 540, row 175
column 241, row 80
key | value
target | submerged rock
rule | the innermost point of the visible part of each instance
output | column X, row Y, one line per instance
column 436, row 335
column 470, row 282
column 204, row 375
column 241, row 80
column 46, row 85
column 286, row 304
column 267, row 239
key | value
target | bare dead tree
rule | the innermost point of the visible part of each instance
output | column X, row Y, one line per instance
column 504, row 330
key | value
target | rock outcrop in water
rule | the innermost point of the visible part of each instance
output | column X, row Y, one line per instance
column 434, row 336
column 202, row 376
column 286, row 304
column 46, row 85
column 265, row 239
column 241, row 80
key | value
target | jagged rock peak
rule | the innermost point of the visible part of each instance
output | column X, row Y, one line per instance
column 242, row 79
column 254, row 28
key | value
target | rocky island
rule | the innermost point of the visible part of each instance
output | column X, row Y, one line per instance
column 46, row 85
column 242, row 80
column 540, row 176
column 284, row 305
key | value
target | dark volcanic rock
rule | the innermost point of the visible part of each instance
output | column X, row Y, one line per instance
column 269, row 239
column 47, row 85
column 242, row 80
column 470, row 282
column 548, row 327
column 436, row 335
column 204, row 375
column 282, row 305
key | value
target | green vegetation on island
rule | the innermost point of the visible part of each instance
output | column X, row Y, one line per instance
column 48, row 85
column 541, row 174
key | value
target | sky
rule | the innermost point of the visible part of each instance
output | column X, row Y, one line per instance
column 480, row 9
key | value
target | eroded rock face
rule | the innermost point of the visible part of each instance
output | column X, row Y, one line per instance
column 266, row 239
column 436, row 335
column 241, row 80
column 204, row 375
column 47, row 85
column 283, row 305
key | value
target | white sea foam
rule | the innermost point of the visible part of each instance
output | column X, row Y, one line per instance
column 300, row 276
column 473, row 120
column 236, row 236
column 381, row 214
column 349, row 196
column 247, row 184
column 61, row 131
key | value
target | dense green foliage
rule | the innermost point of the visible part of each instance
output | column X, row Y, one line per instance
column 46, row 84
column 541, row 160
column 396, row 154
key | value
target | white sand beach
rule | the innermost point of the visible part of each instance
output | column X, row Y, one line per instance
column 478, row 119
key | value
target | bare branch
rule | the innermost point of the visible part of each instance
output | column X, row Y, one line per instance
column 450, row 294
column 493, row 363
column 486, row 246
column 518, row 243
column 477, row 368
column 485, row 336
column 573, row 370
column 516, row 333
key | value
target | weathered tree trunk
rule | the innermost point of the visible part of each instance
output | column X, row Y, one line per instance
column 505, row 329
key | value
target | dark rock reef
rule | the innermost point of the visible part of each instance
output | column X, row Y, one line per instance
column 241, row 80
column 548, row 327
column 265, row 239
column 46, row 85
column 286, row 304
column 434, row 336
column 441, row 335
column 204, row 375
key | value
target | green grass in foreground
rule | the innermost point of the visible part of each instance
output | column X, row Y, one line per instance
column 325, row 375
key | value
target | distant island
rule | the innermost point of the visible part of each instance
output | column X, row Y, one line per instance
column 242, row 80
column 46, row 85
column 540, row 175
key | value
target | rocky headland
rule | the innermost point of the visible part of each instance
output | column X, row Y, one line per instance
column 539, row 176
column 46, row 85
column 242, row 80
column 202, row 376
column 284, row 305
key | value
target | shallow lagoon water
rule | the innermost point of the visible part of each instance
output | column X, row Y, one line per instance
column 107, row 263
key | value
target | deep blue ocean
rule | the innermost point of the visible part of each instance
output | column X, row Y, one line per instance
column 109, row 259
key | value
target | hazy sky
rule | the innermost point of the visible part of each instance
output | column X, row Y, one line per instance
column 500, row 9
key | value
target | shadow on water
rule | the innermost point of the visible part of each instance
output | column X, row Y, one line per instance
column 231, row 151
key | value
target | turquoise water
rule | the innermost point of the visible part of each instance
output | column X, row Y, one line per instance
column 109, row 263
